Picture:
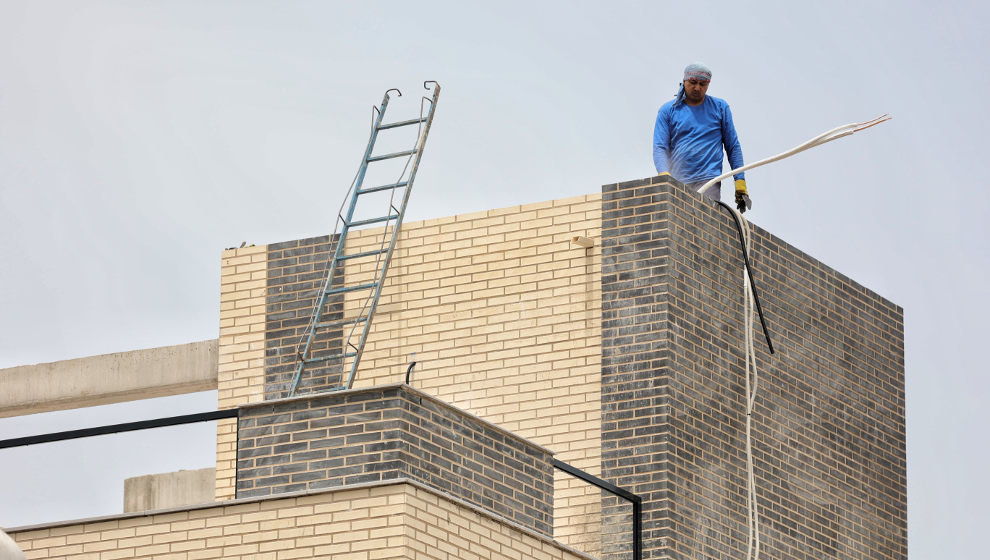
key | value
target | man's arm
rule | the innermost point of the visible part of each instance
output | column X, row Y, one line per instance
column 731, row 143
column 734, row 152
column 661, row 142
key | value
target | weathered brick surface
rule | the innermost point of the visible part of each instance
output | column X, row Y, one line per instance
column 296, row 274
column 829, row 436
column 376, row 434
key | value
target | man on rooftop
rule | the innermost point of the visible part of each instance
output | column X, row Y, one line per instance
column 690, row 134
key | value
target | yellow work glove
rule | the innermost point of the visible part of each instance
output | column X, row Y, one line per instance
column 743, row 202
column 662, row 174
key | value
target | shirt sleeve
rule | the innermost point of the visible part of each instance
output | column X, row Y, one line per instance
column 661, row 142
column 730, row 140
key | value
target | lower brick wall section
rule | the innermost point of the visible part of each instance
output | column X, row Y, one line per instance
column 446, row 530
column 389, row 432
column 398, row 520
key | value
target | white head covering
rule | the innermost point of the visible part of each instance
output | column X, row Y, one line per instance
column 697, row 71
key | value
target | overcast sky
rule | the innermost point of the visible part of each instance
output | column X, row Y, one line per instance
column 139, row 139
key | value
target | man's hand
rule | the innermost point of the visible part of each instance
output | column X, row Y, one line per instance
column 743, row 202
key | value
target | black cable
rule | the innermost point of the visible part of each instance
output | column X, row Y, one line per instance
column 749, row 270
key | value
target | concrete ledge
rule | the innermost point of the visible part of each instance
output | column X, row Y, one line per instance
column 110, row 378
column 330, row 493
column 165, row 490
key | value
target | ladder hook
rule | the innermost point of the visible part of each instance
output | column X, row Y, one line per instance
column 396, row 90
column 430, row 82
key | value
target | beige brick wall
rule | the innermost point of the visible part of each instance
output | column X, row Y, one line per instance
column 501, row 309
column 445, row 530
column 503, row 313
column 241, row 368
column 393, row 521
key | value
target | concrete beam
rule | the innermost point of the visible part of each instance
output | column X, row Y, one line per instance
column 110, row 378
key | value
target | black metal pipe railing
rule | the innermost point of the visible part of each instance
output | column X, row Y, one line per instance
column 637, row 502
column 118, row 428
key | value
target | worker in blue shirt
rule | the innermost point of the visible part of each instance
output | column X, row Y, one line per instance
column 689, row 136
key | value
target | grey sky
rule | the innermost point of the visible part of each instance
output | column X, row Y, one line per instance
column 138, row 139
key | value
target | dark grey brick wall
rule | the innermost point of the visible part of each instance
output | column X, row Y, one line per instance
column 390, row 432
column 296, row 271
column 829, row 435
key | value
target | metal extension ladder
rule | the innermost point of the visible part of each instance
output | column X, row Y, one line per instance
column 345, row 325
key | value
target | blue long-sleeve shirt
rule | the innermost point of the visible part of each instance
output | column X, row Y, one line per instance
column 688, row 141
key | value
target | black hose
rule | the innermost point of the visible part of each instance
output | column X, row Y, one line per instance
column 749, row 270
column 409, row 370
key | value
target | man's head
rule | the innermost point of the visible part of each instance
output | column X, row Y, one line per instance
column 696, row 79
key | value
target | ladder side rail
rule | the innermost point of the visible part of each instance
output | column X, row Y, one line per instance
column 363, row 170
column 318, row 310
column 395, row 235
column 310, row 335
column 355, row 190
column 358, row 181
column 422, row 142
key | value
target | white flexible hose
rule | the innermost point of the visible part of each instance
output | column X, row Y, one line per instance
column 749, row 316
column 825, row 137
column 752, row 383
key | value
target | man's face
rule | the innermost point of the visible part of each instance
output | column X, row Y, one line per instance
column 694, row 90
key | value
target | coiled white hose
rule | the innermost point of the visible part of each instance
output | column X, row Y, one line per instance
column 752, row 377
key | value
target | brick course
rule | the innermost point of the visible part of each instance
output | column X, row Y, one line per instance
column 829, row 421
column 377, row 434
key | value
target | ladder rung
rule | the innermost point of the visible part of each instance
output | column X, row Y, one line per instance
column 373, row 220
column 364, row 254
column 341, row 323
column 389, row 156
column 401, row 123
column 351, row 288
column 383, row 187
column 328, row 358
